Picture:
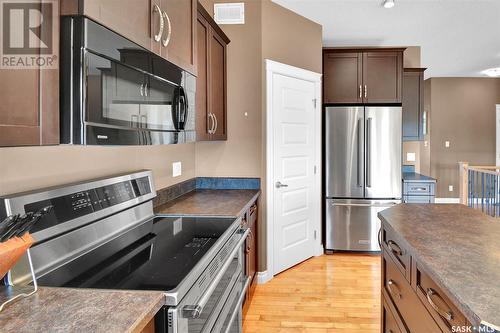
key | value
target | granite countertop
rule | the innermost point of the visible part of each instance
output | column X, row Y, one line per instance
column 459, row 248
column 81, row 310
column 224, row 203
column 416, row 177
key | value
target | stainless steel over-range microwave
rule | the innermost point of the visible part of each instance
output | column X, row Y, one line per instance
column 115, row 92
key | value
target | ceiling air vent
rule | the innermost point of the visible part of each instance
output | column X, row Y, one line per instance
column 229, row 13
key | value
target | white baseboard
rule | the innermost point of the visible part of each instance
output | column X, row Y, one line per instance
column 447, row 200
column 320, row 250
column 263, row 277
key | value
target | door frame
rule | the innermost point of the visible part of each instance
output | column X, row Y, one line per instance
column 273, row 67
column 497, row 127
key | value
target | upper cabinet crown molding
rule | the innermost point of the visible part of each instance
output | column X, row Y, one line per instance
column 362, row 75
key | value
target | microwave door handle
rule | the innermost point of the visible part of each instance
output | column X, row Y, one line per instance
column 184, row 105
column 194, row 311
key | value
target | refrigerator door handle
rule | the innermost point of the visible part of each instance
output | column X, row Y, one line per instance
column 360, row 157
column 368, row 151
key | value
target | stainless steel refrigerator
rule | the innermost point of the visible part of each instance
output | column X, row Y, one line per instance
column 363, row 173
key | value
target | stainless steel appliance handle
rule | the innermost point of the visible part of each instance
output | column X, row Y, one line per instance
column 368, row 152
column 387, row 204
column 146, row 89
column 238, row 304
column 142, row 89
column 360, row 170
column 194, row 311
column 166, row 40
column 158, row 35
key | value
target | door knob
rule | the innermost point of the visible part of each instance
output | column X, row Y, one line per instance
column 279, row 184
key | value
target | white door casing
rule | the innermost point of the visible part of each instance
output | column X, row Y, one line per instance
column 497, row 155
column 293, row 157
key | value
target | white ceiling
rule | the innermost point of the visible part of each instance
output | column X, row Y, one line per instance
column 457, row 37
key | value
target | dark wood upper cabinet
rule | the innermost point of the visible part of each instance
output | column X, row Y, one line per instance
column 29, row 111
column 343, row 77
column 362, row 76
column 211, row 110
column 140, row 21
column 413, row 100
column 181, row 49
column 382, row 77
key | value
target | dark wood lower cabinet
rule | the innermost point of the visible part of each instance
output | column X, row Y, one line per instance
column 415, row 305
column 251, row 258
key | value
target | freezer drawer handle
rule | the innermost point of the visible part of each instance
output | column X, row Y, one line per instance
column 388, row 204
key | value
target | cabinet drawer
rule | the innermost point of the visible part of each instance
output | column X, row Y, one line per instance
column 414, row 315
column 436, row 302
column 389, row 321
column 418, row 188
column 400, row 255
column 418, row 199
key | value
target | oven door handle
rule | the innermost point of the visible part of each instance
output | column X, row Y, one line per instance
column 194, row 311
column 238, row 304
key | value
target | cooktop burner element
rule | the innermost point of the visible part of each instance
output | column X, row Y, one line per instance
column 157, row 258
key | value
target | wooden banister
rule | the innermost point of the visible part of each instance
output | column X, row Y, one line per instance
column 463, row 169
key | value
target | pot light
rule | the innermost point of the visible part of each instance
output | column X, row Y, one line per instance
column 388, row 3
column 492, row 72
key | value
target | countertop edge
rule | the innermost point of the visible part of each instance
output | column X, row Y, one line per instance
column 149, row 315
column 464, row 308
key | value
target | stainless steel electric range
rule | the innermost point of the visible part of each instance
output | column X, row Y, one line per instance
column 103, row 234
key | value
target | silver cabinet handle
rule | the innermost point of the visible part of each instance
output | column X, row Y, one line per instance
column 132, row 117
column 391, row 285
column 194, row 311
column 448, row 315
column 394, row 247
column 216, row 123
column 366, row 91
column 166, row 40
column 279, row 184
column 360, row 91
column 142, row 89
column 158, row 35
column 146, row 89
column 211, row 117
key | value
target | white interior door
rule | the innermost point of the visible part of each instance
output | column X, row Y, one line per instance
column 294, row 167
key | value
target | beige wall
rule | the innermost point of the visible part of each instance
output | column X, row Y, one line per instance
column 270, row 32
column 240, row 155
column 463, row 112
column 27, row 168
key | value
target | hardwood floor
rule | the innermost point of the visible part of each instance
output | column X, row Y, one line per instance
column 328, row 294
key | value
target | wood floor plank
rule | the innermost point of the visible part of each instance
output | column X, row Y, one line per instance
column 337, row 293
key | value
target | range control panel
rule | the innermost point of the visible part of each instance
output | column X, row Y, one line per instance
column 72, row 206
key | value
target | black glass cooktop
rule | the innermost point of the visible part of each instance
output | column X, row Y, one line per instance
column 156, row 256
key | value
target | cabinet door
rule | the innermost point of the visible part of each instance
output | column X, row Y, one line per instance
column 217, row 80
column 129, row 18
column 342, row 77
column 29, row 108
column 382, row 76
column 202, row 119
column 181, row 14
column 412, row 104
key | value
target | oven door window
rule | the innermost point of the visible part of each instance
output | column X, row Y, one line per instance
column 205, row 321
column 118, row 95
